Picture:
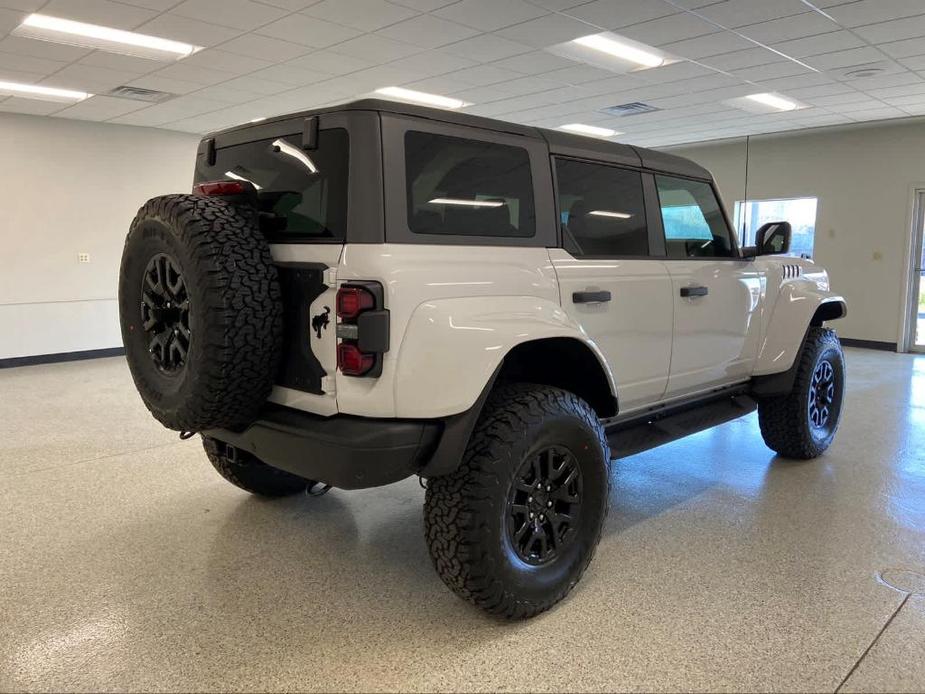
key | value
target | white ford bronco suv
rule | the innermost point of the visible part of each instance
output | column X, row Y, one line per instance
column 370, row 291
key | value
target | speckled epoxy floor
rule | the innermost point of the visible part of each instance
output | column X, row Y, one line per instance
column 126, row 563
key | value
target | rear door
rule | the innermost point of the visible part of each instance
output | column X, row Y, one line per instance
column 610, row 282
column 717, row 294
column 301, row 175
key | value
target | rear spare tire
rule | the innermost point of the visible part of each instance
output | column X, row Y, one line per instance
column 201, row 312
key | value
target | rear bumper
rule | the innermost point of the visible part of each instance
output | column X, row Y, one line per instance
column 342, row 451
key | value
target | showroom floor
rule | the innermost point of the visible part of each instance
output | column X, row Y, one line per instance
column 128, row 564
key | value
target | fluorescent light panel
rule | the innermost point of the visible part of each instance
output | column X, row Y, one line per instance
column 58, row 30
column 774, row 101
column 621, row 49
column 592, row 130
column 422, row 97
column 466, row 203
column 37, row 91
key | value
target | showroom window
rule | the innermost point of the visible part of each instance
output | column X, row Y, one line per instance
column 602, row 210
column 467, row 187
column 800, row 212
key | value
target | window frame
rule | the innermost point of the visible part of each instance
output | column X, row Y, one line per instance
column 656, row 244
column 394, row 128
column 733, row 236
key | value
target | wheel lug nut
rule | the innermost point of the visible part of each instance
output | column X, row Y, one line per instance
column 529, row 499
column 549, row 504
column 548, row 488
column 531, row 514
column 542, row 517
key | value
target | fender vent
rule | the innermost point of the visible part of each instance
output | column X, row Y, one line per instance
column 791, row 271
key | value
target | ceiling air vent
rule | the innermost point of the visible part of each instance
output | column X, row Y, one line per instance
column 631, row 109
column 140, row 94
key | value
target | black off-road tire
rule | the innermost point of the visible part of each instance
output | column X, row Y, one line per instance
column 786, row 421
column 234, row 312
column 247, row 472
column 466, row 513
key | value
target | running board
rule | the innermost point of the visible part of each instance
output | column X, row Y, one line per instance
column 657, row 429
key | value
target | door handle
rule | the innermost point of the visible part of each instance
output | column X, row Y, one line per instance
column 590, row 297
column 694, row 291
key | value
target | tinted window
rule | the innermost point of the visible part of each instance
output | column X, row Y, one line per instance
column 467, row 187
column 602, row 210
column 301, row 194
column 692, row 218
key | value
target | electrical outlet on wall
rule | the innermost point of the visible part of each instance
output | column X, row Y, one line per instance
column 83, row 257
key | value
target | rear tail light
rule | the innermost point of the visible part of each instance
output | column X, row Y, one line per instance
column 219, row 188
column 352, row 362
column 363, row 329
column 352, row 301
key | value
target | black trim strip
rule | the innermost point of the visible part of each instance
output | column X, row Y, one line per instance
column 36, row 359
column 868, row 344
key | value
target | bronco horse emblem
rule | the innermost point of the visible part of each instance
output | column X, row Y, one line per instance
column 320, row 322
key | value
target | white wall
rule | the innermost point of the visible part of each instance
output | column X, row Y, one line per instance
column 863, row 177
column 68, row 187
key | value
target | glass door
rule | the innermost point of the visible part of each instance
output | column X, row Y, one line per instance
column 915, row 332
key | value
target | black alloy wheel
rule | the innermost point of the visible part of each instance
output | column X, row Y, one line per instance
column 544, row 505
column 821, row 394
column 165, row 311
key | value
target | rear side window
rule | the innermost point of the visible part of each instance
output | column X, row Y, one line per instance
column 602, row 210
column 693, row 221
column 467, row 187
column 301, row 194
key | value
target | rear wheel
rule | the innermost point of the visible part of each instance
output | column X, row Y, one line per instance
column 802, row 424
column 514, row 527
column 247, row 472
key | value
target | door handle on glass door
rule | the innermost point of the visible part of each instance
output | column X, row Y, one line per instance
column 590, row 297
column 694, row 291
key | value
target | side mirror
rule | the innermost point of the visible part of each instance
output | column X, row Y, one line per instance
column 773, row 238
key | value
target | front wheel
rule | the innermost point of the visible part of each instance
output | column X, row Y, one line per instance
column 802, row 424
column 515, row 526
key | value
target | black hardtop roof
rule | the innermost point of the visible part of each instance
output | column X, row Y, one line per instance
column 559, row 142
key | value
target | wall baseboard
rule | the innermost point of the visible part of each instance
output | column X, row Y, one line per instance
column 61, row 356
column 868, row 344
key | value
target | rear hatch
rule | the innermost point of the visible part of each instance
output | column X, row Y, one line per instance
column 300, row 187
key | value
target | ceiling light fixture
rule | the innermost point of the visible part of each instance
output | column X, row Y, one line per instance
column 774, row 101
column 36, row 91
column 422, row 97
column 57, row 30
column 621, row 50
column 608, row 213
column 591, row 130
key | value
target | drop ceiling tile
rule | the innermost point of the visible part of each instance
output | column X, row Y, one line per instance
column 111, row 14
column 914, row 63
column 427, row 31
column 444, row 84
column 489, row 15
column 558, row 5
column 483, row 75
column 368, row 15
column 308, row 31
column 607, row 14
column 10, row 19
column 158, row 5
column 673, row 72
column 28, row 63
column 331, row 63
column 836, row 99
column 223, row 61
column 821, row 43
column 376, row 49
column 895, row 30
column 871, row 11
column 504, row 90
column 248, row 83
column 485, row 48
column 709, row 45
column 430, row 63
column 823, row 90
column 907, row 100
column 548, row 30
column 24, row 5
column 291, row 5
column 30, row 106
column 898, row 79
column 424, row 5
column 98, row 77
column 843, row 59
column 671, row 29
column 902, row 90
column 240, row 14
column 895, row 49
column 192, row 73
column 738, row 13
column 576, row 74
column 172, row 26
column 786, row 28
column 99, row 108
column 9, row 75
column 41, row 49
column 220, row 92
column 181, row 107
column 738, row 60
column 165, row 84
column 880, row 113
column 856, row 106
column 115, row 61
column 290, row 74
column 256, row 46
column 534, row 63
column 767, row 72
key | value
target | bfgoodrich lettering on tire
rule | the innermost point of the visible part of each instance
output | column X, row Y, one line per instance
column 201, row 312
column 515, row 526
column 803, row 423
